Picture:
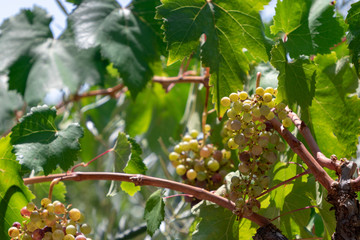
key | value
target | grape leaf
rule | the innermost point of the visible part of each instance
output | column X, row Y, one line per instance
column 40, row 146
column 154, row 212
column 335, row 80
column 229, row 27
column 310, row 26
column 124, row 38
column 21, row 33
column 353, row 36
column 14, row 195
column 7, row 111
column 246, row 229
column 216, row 223
column 37, row 63
column 296, row 79
column 127, row 150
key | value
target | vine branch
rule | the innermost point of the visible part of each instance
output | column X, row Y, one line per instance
column 142, row 180
column 332, row 164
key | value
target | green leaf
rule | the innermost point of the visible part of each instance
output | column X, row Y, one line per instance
column 306, row 25
column 154, row 212
column 14, row 195
column 7, row 111
column 296, row 79
column 216, row 223
column 124, row 38
column 127, row 150
column 40, row 146
column 229, row 27
column 353, row 36
column 246, row 229
column 21, row 33
column 335, row 81
column 42, row 191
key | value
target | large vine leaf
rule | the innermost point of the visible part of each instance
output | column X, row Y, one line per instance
column 216, row 223
column 353, row 36
column 296, row 79
column 40, row 146
column 154, row 212
column 14, row 195
column 334, row 113
column 310, row 26
column 229, row 26
column 124, row 38
column 21, row 33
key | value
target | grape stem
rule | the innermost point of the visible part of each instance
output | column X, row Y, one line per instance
column 292, row 211
column 205, row 112
column 92, row 160
column 142, row 180
column 258, row 77
column 52, row 184
column 333, row 163
column 299, row 148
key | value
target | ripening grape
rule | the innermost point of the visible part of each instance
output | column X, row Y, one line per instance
column 264, row 110
column 247, row 117
column 274, row 139
column 205, row 152
column 38, row 234
column 74, row 214
column 270, row 116
column 243, row 168
column 191, row 174
column 70, row 229
column 234, row 97
column 235, row 125
column 256, row 112
column 280, row 147
column 232, row 144
column 45, row 202
column 58, row 234
column 238, row 107
column 225, row 101
column 59, row 208
column 256, row 150
column 69, row 237
column 259, row 91
column 80, row 237
column 267, row 97
column 13, row 232
column 231, row 114
column 243, row 95
column 287, row 122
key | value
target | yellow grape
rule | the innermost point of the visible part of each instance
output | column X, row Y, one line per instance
column 225, row 101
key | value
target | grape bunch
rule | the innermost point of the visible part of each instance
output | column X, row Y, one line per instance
column 248, row 130
column 200, row 164
column 53, row 221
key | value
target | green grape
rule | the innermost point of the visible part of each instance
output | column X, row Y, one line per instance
column 269, row 90
column 207, row 128
column 240, row 202
column 74, row 214
column 264, row 181
column 191, row 174
column 201, row 176
column 225, row 101
column 237, row 107
column 30, row 206
column 234, row 97
column 256, row 150
column 174, row 156
column 28, row 237
column 85, row 228
column 231, row 113
column 287, row 122
column 185, row 146
column 235, row 125
column 264, row 110
column 270, row 156
column 213, row 165
column 247, row 117
column 180, row 169
column 263, row 140
column 194, row 133
column 194, row 145
column 256, row 112
column 45, row 202
column 256, row 191
column 243, row 95
column 69, row 237
column 40, row 224
column 274, row 139
column 247, row 105
column 259, row 91
column 248, row 132
column 282, row 115
column 199, row 166
column 271, row 104
column 177, row 149
column 267, row 97
column 13, row 232
column 281, row 106
column 47, row 236
column 235, row 180
column 232, row 144
column 58, row 234
column 186, row 138
column 270, row 116
column 226, row 154
column 280, row 147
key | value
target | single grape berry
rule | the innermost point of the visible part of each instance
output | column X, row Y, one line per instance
column 74, row 214
column 243, row 95
column 13, row 232
column 213, row 165
column 191, row 174
column 85, row 228
column 259, row 91
column 180, row 169
column 234, row 97
column 287, row 122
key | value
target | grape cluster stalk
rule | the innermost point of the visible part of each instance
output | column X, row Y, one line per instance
column 52, row 221
column 249, row 131
column 200, row 164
